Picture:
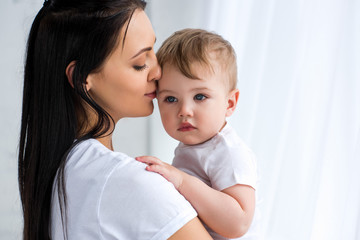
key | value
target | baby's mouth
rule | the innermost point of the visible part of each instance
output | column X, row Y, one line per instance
column 184, row 127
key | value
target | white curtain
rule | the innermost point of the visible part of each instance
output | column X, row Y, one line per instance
column 299, row 109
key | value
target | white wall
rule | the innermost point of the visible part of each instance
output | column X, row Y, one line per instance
column 16, row 17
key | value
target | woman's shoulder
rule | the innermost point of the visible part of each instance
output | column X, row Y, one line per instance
column 90, row 161
column 141, row 205
column 127, row 201
column 90, row 150
column 91, row 158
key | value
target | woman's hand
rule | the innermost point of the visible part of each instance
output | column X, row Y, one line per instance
column 172, row 174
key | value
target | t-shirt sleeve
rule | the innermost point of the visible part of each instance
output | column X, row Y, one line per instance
column 137, row 204
column 231, row 166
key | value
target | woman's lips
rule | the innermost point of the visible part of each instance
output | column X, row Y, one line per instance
column 151, row 95
column 185, row 127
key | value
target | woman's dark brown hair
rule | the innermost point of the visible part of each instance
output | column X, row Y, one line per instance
column 64, row 31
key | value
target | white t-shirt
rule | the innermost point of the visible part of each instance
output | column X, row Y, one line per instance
column 221, row 162
column 111, row 196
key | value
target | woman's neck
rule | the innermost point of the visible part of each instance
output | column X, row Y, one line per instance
column 87, row 119
column 106, row 141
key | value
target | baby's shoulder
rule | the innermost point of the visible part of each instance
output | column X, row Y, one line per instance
column 228, row 144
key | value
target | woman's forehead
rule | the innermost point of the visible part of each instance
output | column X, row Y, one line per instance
column 139, row 34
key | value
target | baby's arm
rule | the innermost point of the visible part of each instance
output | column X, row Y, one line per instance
column 228, row 212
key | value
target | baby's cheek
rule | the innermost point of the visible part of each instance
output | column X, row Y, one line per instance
column 167, row 122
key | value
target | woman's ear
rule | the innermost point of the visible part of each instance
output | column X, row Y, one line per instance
column 69, row 72
column 89, row 80
column 233, row 98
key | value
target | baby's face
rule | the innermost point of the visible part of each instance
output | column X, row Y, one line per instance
column 192, row 111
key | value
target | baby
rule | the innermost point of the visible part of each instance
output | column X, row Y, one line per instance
column 212, row 168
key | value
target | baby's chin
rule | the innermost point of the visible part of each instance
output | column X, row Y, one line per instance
column 192, row 142
column 193, row 137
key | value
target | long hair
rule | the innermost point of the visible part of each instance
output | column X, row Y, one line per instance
column 53, row 112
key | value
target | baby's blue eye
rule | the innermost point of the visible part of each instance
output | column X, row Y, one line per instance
column 171, row 99
column 199, row 97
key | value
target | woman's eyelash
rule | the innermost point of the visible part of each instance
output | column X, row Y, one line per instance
column 140, row 68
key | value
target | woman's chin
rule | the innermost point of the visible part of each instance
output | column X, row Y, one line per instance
column 150, row 112
column 147, row 112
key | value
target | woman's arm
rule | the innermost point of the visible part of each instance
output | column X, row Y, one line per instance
column 229, row 212
column 193, row 230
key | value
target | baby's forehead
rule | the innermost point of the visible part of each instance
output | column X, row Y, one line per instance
column 202, row 78
column 212, row 66
column 212, row 70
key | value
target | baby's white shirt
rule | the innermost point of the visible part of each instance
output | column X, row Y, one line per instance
column 221, row 162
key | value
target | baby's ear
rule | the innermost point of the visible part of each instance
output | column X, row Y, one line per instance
column 233, row 98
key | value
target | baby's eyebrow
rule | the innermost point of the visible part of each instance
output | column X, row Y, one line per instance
column 200, row 89
column 165, row 91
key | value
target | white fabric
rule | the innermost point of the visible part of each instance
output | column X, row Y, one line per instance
column 221, row 162
column 112, row 196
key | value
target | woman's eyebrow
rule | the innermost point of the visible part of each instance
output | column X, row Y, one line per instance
column 141, row 51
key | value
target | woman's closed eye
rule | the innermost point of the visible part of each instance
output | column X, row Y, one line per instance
column 140, row 68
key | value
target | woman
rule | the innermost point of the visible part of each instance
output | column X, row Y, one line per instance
column 89, row 64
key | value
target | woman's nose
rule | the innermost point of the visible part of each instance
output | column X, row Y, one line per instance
column 155, row 72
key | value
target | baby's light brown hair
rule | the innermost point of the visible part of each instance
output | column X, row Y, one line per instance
column 189, row 46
